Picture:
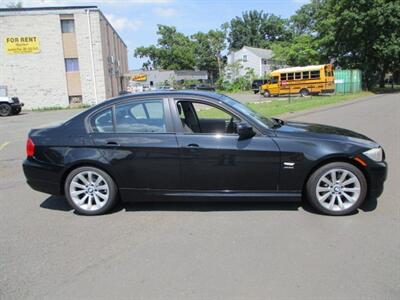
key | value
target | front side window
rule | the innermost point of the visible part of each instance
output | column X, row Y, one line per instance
column 102, row 122
column 202, row 118
column 71, row 65
column 244, row 58
column 67, row 26
column 140, row 117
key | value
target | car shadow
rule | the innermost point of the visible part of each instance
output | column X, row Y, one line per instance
column 56, row 203
column 59, row 203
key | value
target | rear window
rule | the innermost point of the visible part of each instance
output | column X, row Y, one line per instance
column 140, row 117
column 102, row 121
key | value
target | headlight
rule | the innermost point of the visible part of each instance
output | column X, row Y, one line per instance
column 375, row 154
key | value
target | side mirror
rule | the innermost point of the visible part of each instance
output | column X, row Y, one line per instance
column 245, row 131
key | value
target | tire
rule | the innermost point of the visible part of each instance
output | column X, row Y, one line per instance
column 304, row 92
column 5, row 110
column 340, row 196
column 87, row 197
column 267, row 94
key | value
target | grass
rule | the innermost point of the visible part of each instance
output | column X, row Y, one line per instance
column 278, row 107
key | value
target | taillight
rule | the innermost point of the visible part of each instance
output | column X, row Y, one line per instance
column 30, row 148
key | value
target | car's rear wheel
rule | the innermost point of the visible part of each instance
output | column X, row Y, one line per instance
column 337, row 188
column 90, row 191
column 5, row 110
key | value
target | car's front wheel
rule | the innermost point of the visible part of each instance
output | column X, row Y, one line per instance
column 90, row 191
column 337, row 188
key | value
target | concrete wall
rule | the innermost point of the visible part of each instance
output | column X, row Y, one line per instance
column 37, row 79
column 40, row 80
column 92, row 87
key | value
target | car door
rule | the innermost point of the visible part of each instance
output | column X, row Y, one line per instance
column 137, row 140
column 215, row 159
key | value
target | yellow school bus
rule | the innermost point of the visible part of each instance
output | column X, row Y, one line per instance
column 300, row 80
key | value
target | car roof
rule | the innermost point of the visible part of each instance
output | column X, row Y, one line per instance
column 164, row 93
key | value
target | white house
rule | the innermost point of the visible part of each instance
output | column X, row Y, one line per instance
column 260, row 60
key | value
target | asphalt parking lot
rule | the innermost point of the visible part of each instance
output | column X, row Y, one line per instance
column 201, row 251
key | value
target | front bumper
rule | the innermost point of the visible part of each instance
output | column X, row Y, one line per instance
column 17, row 105
column 43, row 177
column 377, row 174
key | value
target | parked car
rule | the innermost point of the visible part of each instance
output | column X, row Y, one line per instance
column 256, row 85
column 10, row 106
column 201, row 87
column 165, row 88
column 194, row 145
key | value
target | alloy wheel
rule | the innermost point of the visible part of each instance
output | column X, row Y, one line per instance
column 338, row 189
column 89, row 190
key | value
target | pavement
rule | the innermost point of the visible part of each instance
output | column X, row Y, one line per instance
column 201, row 251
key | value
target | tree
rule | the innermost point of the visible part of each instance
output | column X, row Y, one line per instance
column 256, row 29
column 208, row 49
column 362, row 34
column 174, row 51
column 302, row 50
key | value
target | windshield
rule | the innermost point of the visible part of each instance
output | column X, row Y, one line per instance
column 263, row 121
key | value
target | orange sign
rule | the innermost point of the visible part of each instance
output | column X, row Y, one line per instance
column 139, row 77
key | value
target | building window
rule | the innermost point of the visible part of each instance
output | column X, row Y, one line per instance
column 71, row 65
column 244, row 58
column 67, row 26
column 264, row 61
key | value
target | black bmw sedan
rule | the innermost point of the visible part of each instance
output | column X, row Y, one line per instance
column 200, row 145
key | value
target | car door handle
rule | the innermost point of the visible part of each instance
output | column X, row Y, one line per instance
column 192, row 146
column 112, row 143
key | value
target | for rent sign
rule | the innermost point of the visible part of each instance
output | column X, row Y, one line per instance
column 22, row 44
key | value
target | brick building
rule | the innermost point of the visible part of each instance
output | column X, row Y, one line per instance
column 57, row 56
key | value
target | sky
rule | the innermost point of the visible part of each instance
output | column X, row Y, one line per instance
column 136, row 20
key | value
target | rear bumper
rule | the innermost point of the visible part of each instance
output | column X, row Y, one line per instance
column 377, row 175
column 43, row 177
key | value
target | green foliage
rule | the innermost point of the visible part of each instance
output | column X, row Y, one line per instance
column 174, row 51
column 256, row 29
column 362, row 34
column 207, row 51
column 300, row 51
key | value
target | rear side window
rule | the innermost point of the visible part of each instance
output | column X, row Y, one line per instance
column 140, row 117
column 102, row 121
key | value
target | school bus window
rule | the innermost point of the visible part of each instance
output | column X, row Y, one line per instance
column 283, row 76
column 314, row 74
column 306, row 75
column 290, row 76
column 297, row 75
